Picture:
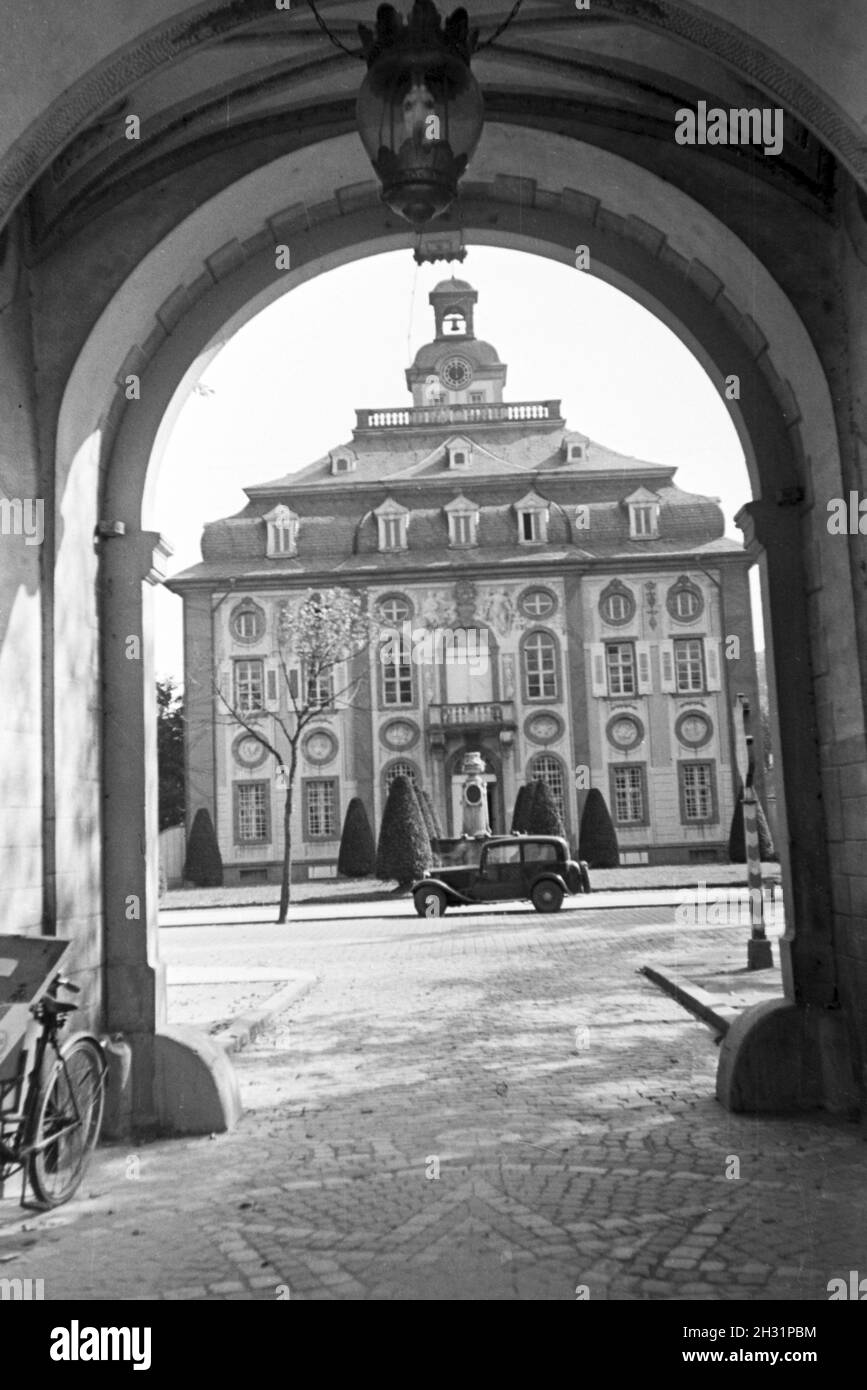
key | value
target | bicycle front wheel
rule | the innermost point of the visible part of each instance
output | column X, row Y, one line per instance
column 68, row 1119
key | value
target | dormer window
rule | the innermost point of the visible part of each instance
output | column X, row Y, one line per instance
column 642, row 519
column 463, row 517
column 392, row 520
column 643, row 515
column 532, row 513
column 342, row 462
column 576, row 452
column 459, row 453
column 282, row 524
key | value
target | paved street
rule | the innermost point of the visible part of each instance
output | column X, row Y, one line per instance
column 482, row 1107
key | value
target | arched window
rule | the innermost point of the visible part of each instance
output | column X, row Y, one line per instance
column 282, row 526
column 247, row 622
column 539, row 653
column 616, row 604
column 400, row 769
column 684, row 600
column 546, row 768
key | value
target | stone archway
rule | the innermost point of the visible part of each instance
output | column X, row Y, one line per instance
column 677, row 260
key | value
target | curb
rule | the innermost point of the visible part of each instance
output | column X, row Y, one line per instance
column 243, row 1029
column 700, row 1002
column 392, row 895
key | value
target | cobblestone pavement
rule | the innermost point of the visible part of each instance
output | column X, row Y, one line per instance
column 493, row 1107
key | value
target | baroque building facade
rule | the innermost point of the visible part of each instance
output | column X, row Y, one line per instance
column 564, row 609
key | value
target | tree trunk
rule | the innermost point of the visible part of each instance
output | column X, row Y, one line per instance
column 286, row 876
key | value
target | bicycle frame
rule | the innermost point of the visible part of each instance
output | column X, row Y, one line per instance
column 17, row 1141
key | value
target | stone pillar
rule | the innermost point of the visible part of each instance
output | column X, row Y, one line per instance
column 772, row 535
column 510, row 790
column 180, row 1082
column 794, row 1053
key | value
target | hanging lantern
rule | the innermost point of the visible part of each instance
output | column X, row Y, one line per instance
column 420, row 110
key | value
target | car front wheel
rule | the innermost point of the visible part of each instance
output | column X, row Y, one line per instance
column 430, row 902
column 547, row 896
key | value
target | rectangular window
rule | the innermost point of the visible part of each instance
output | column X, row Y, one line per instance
column 251, row 813
column 540, row 667
column 628, row 795
column 320, row 808
column 397, row 683
column 320, row 690
column 249, row 686
column 463, row 528
column 392, row 532
column 643, row 519
column 697, row 798
column 688, row 665
column 620, row 657
column 477, row 397
column 529, row 526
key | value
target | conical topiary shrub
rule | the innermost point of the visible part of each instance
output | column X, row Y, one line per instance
column 521, row 807
column 357, row 854
column 544, row 816
column 432, row 817
column 597, row 841
column 203, row 865
column 403, row 851
column 426, row 813
column 737, row 845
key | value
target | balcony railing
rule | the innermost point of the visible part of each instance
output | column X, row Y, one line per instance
column 412, row 417
column 489, row 713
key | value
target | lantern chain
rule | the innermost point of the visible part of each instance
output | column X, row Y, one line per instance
column 353, row 52
column 357, row 52
column 499, row 30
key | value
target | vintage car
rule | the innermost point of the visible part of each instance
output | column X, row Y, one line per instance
column 537, row 867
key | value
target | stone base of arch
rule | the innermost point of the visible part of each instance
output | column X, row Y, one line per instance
column 191, row 1086
column 780, row 1057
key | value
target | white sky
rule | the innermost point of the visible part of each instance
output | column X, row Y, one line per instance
column 286, row 387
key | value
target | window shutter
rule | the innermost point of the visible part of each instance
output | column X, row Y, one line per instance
column 272, row 687
column 293, row 682
column 666, row 659
column 645, row 680
column 597, row 669
column 711, row 657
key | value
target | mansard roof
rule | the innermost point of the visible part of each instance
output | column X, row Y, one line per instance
column 519, row 447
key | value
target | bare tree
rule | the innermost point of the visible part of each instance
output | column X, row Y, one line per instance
column 317, row 643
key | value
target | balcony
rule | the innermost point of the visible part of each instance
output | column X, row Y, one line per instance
column 419, row 416
column 491, row 714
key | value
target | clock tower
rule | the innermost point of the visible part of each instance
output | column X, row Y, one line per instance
column 457, row 368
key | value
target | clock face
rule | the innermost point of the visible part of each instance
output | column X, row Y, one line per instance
column 250, row 750
column 456, row 373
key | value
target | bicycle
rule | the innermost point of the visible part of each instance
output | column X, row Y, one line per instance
column 50, row 1118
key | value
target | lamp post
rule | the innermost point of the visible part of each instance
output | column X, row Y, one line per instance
column 759, row 955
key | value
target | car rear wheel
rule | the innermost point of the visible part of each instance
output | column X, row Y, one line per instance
column 547, row 896
column 430, row 902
